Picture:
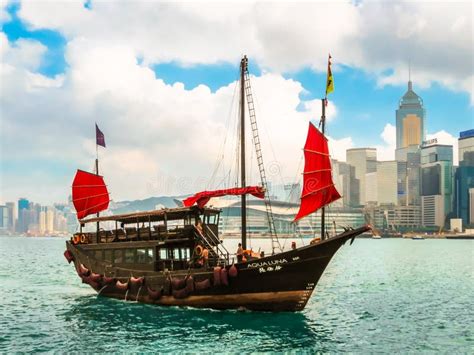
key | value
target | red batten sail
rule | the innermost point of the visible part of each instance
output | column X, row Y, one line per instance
column 201, row 198
column 89, row 194
column 318, row 187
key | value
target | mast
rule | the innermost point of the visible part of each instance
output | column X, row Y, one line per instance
column 243, row 68
column 323, row 127
column 97, row 173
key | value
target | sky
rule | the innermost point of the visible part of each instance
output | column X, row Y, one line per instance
column 159, row 78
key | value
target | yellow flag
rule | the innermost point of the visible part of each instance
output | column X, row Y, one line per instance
column 330, row 80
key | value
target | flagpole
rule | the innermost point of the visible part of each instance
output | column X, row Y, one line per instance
column 97, row 173
column 323, row 126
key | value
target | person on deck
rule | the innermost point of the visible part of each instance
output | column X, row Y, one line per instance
column 199, row 228
column 240, row 253
column 205, row 257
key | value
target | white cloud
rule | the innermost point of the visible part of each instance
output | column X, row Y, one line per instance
column 338, row 147
column 387, row 150
column 161, row 139
column 4, row 15
column 444, row 137
column 374, row 36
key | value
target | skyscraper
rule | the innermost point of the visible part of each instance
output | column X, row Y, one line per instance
column 410, row 117
column 436, row 183
column 23, row 215
column 410, row 124
column 364, row 160
column 464, row 177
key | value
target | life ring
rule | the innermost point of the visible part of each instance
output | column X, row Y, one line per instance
column 76, row 239
column 83, row 239
column 198, row 250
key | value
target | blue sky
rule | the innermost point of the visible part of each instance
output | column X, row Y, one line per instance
column 364, row 105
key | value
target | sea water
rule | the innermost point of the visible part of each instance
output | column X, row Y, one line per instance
column 388, row 295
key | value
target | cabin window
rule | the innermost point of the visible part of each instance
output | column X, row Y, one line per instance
column 176, row 254
column 170, row 253
column 185, row 254
column 129, row 256
column 151, row 256
column 142, row 256
column 108, row 255
column 118, row 256
column 163, row 254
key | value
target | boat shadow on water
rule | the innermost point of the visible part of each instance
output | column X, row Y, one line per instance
column 107, row 318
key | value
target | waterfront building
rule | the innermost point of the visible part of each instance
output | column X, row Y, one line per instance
column 42, row 221
column 346, row 183
column 408, row 176
column 387, row 182
column 464, row 178
column 410, row 127
column 471, row 206
column 364, row 160
column 389, row 216
column 4, row 217
column 284, row 213
column 12, row 215
column 436, row 183
column 50, row 212
column 23, row 214
column 466, row 148
column 371, row 196
column 410, row 119
column 381, row 185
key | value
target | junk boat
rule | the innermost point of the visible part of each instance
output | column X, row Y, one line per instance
column 174, row 256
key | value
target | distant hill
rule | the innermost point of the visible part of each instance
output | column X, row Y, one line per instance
column 146, row 204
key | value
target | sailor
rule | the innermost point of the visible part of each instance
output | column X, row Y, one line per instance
column 198, row 227
column 293, row 245
column 240, row 253
column 205, row 257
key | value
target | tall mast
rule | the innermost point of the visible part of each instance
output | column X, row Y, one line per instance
column 243, row 68
column 97, row 173
column 323, row 126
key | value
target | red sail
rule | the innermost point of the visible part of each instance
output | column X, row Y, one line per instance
column 89, row 194
column 318, row 187
column 201, row 198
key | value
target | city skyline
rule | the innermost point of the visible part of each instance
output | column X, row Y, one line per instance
column 147, row 97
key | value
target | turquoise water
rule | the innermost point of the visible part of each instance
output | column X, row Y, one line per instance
column 376, row 296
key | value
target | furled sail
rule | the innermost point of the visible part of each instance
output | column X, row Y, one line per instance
column 318, row 187
column 89, row 194
column 201, row 198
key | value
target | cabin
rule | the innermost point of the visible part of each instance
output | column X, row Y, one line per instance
column 159, row 240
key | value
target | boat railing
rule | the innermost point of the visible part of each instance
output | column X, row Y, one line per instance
column 217, row 254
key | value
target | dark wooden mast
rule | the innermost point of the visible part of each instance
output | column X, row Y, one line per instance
column 243, row 68
column 323, row 126
column 97, row 173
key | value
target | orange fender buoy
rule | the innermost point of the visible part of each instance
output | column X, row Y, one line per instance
column 96, row 277
column 233, row 271
column 217, row 276
column 121, row 285
column 83, row 270
column 137, row 280
column 202, row 285
column 154, row 295
column 224, row 278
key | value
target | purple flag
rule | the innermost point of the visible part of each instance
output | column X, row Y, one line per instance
column 99, row 136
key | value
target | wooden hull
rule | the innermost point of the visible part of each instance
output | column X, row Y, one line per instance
column 281, row 282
